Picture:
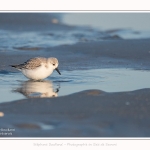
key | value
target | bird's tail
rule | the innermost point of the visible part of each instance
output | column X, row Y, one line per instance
column 14, row 66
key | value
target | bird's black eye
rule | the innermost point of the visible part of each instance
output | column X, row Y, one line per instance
column 53, row 64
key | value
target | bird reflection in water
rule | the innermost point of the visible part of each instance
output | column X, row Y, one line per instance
column 38, row 89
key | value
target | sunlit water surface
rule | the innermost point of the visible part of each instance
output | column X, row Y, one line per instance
column 15, row 86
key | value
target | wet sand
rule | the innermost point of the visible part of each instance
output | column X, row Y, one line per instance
column 91, row 113
column 88, row 55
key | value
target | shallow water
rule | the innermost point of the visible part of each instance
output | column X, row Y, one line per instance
column 15, row 86
column 85, row 27
column 40, row 40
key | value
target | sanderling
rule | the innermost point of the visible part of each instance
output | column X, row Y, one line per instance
column 38, row 68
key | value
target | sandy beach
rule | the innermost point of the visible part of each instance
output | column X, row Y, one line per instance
column 88, row 113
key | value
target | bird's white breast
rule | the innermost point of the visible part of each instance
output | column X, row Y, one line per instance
column 38, row 73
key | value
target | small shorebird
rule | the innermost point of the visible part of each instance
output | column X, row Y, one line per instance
column 38, row 68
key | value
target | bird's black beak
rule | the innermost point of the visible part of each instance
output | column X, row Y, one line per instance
column 58, row 71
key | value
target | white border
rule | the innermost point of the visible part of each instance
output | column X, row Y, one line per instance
column 97, row 144
column 63, row 5
column 72, row 11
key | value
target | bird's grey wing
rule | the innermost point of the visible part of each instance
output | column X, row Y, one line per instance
column 29, row 64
